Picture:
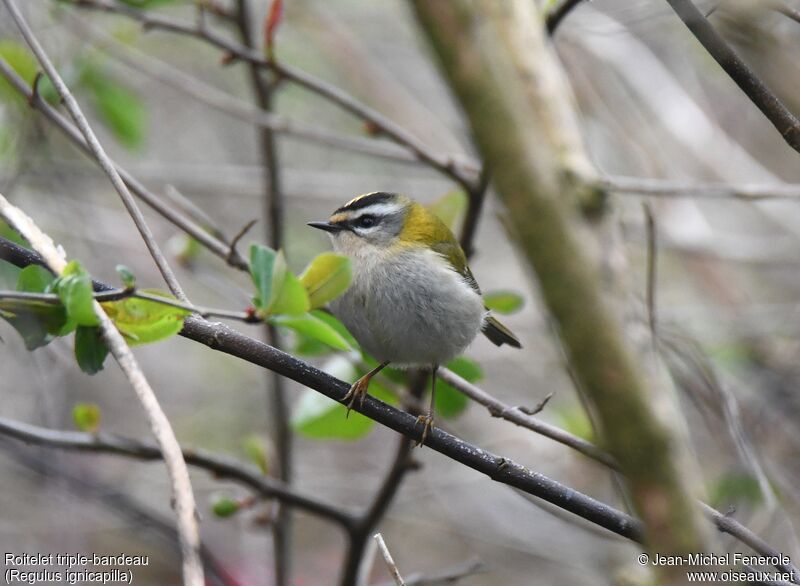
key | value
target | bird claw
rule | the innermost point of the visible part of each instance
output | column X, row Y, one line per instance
column 358, row 391
column 427, row 421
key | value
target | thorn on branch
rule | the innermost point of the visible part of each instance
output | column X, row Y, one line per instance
column 539, row 407
column 232, row 253
column 35, row 97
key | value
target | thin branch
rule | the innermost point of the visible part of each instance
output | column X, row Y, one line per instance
column 97, row 150
column 118, row 294
column 387, row 557
column 445, row 164
column 241, row 110
column 222, row 338
column 273, row 212
column 219, row 466
column 556, row 16
column 182, row 495
column 787, row 11
column 652, row 269
column 387, row 490
column 698, row 189
column 518, row 417
column 765, row 100
column 220, row 248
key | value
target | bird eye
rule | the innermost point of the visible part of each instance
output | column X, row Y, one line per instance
column 366, row 221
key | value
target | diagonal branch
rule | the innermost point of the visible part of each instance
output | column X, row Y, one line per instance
column 183, row 498
column 219, row 247
column 443, row 163
column 97, row 150
column 765, row 100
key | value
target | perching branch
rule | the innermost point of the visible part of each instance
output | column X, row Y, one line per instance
column 224, row 339
column 97, row 151
column 182, row 495
column 765, row 100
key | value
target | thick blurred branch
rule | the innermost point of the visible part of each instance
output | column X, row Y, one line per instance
column 770, row 105
column 501, row 69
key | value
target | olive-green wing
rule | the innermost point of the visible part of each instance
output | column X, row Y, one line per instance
column 453, row 254
column 497, row 333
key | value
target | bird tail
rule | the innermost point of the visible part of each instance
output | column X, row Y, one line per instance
column 499, row 334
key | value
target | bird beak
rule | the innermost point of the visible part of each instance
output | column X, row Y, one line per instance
column 327, row 226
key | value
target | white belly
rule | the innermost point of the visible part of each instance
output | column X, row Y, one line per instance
column 410, row 308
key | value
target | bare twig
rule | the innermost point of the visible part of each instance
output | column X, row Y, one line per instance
column 220, row 248
column 556, row 16
column 446, row 164
column 273, row 213
column 652, row 268
column 183, row 498
column 698, row 189
column 517, row 416
column 387, row 557
column 97, row 150
column 219, row 466
column 765, row 100
column 241, row 110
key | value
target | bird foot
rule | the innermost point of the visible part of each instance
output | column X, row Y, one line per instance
column 427, row 422
column 357, row 392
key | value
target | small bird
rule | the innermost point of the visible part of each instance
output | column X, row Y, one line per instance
column 413, row 300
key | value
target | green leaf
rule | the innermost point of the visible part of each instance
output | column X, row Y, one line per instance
column 119, row 108
column 74, row 287
column 262, row 264
column 86, row 417
column 127, row 276
column 36, row 321
column 313, row 327
column 450, row 402
column 288, row 294
column 90, row 350
column 450, row 208
column 326, row 277
column 225, row 506
column 256, row 451
column 504, row 302
column 318, row 417
column 142, row 321
column 334, row 322
column 34, row 279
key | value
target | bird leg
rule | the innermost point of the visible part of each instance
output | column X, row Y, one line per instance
column 358, row 390
column 427, row 419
